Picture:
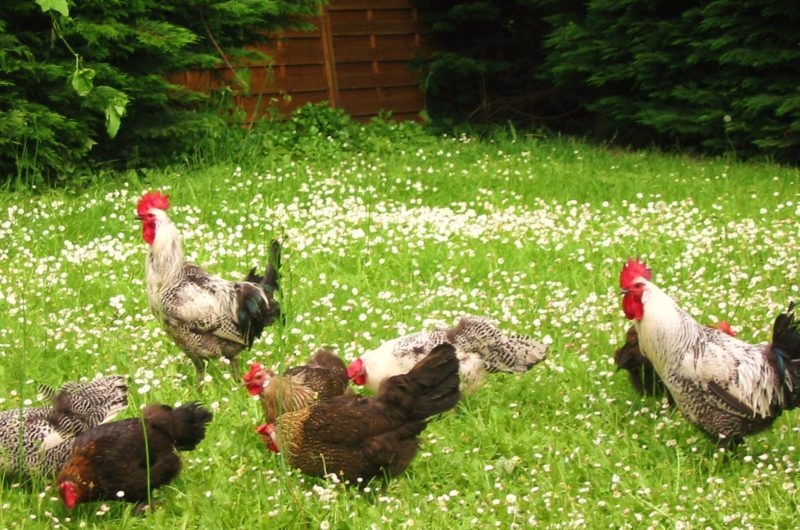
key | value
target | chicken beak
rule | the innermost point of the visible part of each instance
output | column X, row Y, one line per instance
column 623, row 291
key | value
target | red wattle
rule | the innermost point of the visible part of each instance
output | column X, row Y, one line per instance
column 149, row 232
column 633, row 307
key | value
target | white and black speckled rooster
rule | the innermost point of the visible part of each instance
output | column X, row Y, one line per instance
column 727, row 387
column 481, row 348
column 207, row 317
column 48, row 432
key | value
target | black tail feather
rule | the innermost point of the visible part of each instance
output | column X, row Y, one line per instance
column 429, row 388
column 784, row 355
column 254, row 314
column 269, row 281
column 186, row 425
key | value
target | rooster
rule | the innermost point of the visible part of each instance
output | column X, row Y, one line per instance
column 37, row 440
column 481, row 348
column 642, row 375
column 727, row 387
column 206, row 316
column 358, row 437
column 324, row 377
column 110, row 462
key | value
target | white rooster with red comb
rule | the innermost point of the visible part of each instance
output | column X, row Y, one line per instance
column 207, row 317
column 727, row 387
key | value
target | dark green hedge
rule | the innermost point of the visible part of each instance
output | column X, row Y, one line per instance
column 85, row 82
column 718, row 76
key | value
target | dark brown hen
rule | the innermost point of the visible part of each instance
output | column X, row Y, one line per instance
column 357, row 437
column 112, row 461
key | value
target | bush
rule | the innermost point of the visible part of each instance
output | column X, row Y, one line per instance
column 719, row 76
column 88, row 84
column 486, row 61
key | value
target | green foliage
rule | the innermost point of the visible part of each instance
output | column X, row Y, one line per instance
column 311, row 132
column 720, row 76
column 88, row 82
column 485, row 61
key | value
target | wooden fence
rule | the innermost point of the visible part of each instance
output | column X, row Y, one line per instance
column 357, row 59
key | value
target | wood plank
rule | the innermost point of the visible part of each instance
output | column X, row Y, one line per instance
column 253, row 104
column 388, row 15
column 364, row 102
column 306, row 50
column 326, row 39
column 349, row 5
column 379, row 79
column 391, row 27
column 293, row 79
column 357, row 55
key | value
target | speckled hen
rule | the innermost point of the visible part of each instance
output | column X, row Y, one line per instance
column 48, row 432
column 207, row 317
column 358, row 437
column 481, row 347
column 727, row 387
column 324, row 377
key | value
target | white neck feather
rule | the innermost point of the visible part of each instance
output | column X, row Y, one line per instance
column 165, row 259
column 664, row 330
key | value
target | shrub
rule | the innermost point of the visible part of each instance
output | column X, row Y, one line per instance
column 717, row 75
column 87, row 83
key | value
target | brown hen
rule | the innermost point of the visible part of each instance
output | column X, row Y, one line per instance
column 324, row 377
column 361, row 438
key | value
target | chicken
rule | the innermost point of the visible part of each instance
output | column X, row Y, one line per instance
column 727, row 387
column 643, row 377
column 481, row 348
column 206, row 316
column 324, row 377
column 358, row 437
column 110, row 462
column 47, row 432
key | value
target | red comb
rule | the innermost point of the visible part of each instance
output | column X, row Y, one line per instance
column 265, row 429
column 632, row 270
column 254, row 368
column 154, row 199
column 725, row 327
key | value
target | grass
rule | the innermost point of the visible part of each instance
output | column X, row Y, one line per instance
column 397, row 239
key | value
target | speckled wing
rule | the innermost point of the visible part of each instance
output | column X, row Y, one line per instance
column 500, row 352
column 734, row 375
column 43, row 448
column 417, row 345
column 49, row 431
column 203, row 303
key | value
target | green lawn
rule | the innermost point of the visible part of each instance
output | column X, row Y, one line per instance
column 532, row 233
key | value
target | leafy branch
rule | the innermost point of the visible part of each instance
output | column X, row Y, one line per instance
column 112, row 101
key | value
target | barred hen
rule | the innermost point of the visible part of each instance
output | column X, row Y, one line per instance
column 357, row 437
column 725, row 386
column 37, row 440
column 206, row 316
column 324, row 377
column 116, row 462
column 481, row 347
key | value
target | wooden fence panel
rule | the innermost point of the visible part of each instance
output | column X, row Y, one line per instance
column 356, row 58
